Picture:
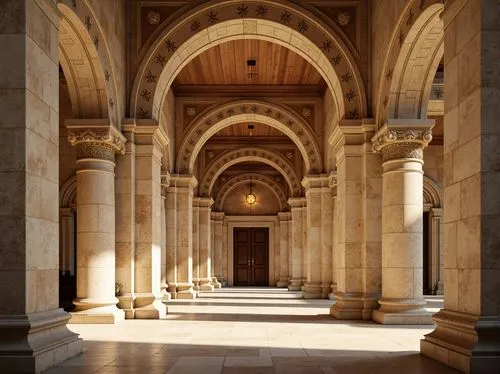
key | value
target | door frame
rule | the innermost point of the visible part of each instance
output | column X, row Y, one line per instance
column 250, row 221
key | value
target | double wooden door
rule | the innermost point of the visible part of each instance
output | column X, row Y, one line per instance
column 251, row 256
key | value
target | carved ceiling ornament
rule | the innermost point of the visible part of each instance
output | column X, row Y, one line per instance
column 176, row 40
column 402, row 142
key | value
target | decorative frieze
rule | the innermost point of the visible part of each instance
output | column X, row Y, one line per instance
column 397, row 141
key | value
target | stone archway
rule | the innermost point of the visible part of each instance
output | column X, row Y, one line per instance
column 255, row 111
column 217, row 22
column 86, row 62
column 236, row 156
column 246, row 178
column 410, row 65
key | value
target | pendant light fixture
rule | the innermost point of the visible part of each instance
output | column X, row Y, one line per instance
column 250, row 198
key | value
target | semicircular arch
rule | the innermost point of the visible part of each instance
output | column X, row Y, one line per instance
column 86, row 62
column 432, row 195
column 216, row 22
column 415, row 52
column 67, row 193
column 249, row 154
column 231, row 113
column 232, row 183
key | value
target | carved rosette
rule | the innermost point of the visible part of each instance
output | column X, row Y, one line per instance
column 401, row 143
column 96, row 143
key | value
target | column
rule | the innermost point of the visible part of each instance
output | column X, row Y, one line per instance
column 304, row 245
column 355, row 262
column 33, row 328
column 205, row 250
column 332, row 183
column 314, row 185
column 184, row 237
column 436, row 272
column 467, row 335
column 326, row 239
column 196, row 245
column 401, row 143
column 96, row 143
column 283, row 219
column 150, row 141
column 125, row 223
column 171, row 237
column 165, row 183
column 296, row 205
column 289, row 248
column 218, row 263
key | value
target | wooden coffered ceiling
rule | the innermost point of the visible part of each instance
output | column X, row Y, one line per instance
column 222, row 70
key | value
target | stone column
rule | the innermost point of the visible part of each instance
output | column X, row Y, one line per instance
column 283, row 219
column 297, row 245
column 165, row 183
column 304, row 245
column 205, row 249
column 218, row 262
column 184, row 238
column 96, row 143
column 356, row 262
column 33, row 328
column 332, row 183
column 125, row 223
column 437, row 281
column 401, row 143
column 314, row 185
column 225, row 248
column 467, row 335
column 150, row 141
column 326, row 239
column 196, row 244
column 171, row 237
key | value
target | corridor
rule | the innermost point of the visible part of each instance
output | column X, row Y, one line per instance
column 250, row 330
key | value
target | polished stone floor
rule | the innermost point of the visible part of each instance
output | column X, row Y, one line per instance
column 260, row 331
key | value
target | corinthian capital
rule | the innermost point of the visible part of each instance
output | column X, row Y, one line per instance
column 95, row 133
column 403, row 139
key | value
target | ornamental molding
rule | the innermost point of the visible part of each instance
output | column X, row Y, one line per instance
column 101, row 135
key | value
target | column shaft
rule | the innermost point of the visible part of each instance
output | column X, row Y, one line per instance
column 196, row 244
column 218, row 260
column 205, row 250
column 326, row 240
column 296, row 244
column 171, row 239
column 283, row 219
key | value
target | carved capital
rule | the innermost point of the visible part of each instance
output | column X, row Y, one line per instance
column 396, row 141
column 97, row 140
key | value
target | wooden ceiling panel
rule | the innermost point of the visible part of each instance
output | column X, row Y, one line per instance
column 241, row 129
column 226, row 64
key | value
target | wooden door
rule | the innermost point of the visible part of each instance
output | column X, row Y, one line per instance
column 251, row 256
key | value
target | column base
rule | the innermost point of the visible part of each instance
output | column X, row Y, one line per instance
column 402, row 312
column 333, row 290
column 148, row 306
column 101, row 315
column 465, row 342
column 185, row 291
column 205, row 285
column 216, row 283
column 196, row 284
column 283, row 282
column 126, row 303
column 172, row 290
column 35, row 342
column 295, row 284
column 325, row 290
column 354, row 306
column 312, row 290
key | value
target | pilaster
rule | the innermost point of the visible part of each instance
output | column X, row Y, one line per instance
column 217, row 249
column 283, row 217
column 204, row 242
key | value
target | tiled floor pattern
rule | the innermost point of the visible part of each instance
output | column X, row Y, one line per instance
column 258, row 331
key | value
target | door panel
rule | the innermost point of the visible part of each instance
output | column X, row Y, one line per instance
column 251, row 256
